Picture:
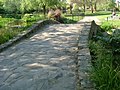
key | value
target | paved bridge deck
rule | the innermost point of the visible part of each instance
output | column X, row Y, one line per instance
column 43, row 62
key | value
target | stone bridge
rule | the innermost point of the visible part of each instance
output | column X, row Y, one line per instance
column 54, row 57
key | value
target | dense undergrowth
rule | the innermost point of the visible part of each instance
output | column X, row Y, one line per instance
column 105, row 51
column 10, row 25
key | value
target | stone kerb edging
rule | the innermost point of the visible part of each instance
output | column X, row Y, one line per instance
column 84, row 59
column 36, row 26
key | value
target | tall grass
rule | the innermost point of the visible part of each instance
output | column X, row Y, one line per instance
column 104, row 74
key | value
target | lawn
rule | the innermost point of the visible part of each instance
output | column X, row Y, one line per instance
column 102, row 16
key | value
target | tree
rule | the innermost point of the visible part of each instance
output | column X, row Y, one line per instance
column 47, row 3
column 12, row 6
column 26, row 5
column 1, row 7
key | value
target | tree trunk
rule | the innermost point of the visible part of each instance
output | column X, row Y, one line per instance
column 91, row 5
column 84, row 5
column 95, row 7
column 71, row 8
column 117, row 4
column 44, row 10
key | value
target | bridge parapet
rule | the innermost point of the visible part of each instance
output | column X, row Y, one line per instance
column 84, row 64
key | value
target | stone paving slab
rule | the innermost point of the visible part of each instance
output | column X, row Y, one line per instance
column 45, row 61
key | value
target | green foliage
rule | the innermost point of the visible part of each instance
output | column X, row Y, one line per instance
column 104, row 74
column 115, row 42
column 6, row 35
column 111, row 4
column 67, row 21
column 32, row 17
column 1, row 8
column 0, row 26
column 70, row 19
column 10, row 27
column 105, row 51
column 107, row 26
column 5, row 21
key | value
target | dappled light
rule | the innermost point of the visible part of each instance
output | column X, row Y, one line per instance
column 48, row 52
column 37, row 65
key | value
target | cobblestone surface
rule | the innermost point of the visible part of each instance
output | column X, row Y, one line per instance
column 46, row 61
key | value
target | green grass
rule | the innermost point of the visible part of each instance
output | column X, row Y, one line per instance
column 5, row 21
column 103, row 17
column 111, row 23
column 97, row 13
column 75, row 18
column 10, row 27
column 71, row 19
